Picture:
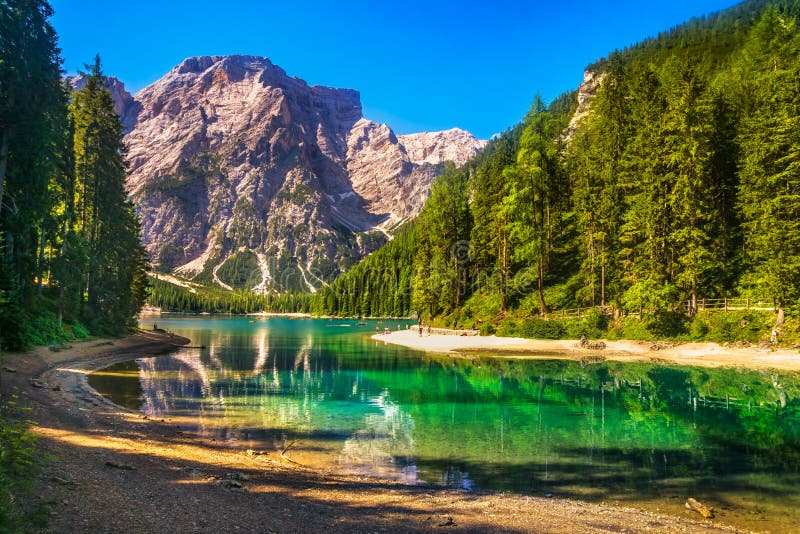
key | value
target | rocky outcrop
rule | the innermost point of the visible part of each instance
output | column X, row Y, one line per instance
column 246, row 177
column 383, row 174
column 433, row 148
column 592, row 80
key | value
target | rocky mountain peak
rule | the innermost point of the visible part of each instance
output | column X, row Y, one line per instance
column 246, row 177
column 433, row 148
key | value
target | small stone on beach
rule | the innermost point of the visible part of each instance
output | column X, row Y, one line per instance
column 124, row 467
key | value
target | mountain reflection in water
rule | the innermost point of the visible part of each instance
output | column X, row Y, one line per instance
column 599, row 431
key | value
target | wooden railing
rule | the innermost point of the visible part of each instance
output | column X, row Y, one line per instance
column 731, row 304
column 578, row 313
column 722, row 304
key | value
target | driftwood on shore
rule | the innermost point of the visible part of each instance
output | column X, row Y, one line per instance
column 700, row 508
column 284, row 456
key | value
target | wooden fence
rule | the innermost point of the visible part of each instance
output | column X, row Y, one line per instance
column 579, row 313
column 729, row 304
column 721, row 305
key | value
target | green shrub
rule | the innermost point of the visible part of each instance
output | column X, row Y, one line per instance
column 698, row 330
column 748, row 326
column 790, row 331
column 564, row 295
column 481, row 308
column 667, row 324
column 535, row 328
column 76, row 331
column 488, row 329
column 19, row 463
column 630, row 328
column 659, row 326
column 13, row 334
column 44, row 329
column 593, row 325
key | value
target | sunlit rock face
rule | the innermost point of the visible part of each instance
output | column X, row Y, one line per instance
column 232, row 160
column 592, row 80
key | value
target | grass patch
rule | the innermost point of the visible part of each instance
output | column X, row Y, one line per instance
column 20, row 462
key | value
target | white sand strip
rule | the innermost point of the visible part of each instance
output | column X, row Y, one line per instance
column 696, row 354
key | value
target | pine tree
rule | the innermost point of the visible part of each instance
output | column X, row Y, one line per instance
column 490, row 242
column 531, row 205
column 31, row 108
column 595, row 160
column 107, row 224
column 769, row 193
column 686, row 142
column 645, row 252
column 445, row 226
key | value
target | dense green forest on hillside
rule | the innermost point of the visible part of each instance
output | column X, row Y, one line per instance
column 70, row 253
column 199, row 299
column 681, row 183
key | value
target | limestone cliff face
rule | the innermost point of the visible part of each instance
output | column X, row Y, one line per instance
column 383, row 174
column 246, row 177
column 592, row 81
column 434, row 148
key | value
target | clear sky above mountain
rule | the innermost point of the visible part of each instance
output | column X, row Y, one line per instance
column 419, row 65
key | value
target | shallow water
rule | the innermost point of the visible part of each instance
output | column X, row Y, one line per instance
column 635, row 433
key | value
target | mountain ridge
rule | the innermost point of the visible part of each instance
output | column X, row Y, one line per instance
column 232, row 160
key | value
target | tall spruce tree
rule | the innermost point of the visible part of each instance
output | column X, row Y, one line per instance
column 107, row 225
column 490, row 242
column 769, row 194
column 686, row 142
column 594, row 160
column 31, row 108
column 443, row 232
column 530, row 206
column 645, row 252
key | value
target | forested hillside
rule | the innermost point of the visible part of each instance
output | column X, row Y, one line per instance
column 682, row 182
column 70, row 255
column 212, row 299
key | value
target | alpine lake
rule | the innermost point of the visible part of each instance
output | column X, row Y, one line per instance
column 648, row 435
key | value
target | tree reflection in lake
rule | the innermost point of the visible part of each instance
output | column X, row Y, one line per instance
column 602, row 430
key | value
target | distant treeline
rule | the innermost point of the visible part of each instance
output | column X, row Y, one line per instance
column 172, row 298
column 70, row 252
column 682, row 182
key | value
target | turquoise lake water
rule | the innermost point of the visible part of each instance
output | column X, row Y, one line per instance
column 607, row 431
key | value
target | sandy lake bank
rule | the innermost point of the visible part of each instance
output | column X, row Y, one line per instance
column 696, row 354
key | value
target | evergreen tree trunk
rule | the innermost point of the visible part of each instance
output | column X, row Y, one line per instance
column 40, row 265
column 3, row 164
column 592, row 274
column 542, row 305
column 458, row 280
column 504, row 274
column 603, row 284
column 9, row 250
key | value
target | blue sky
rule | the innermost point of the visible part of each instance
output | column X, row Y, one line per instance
column 419, row 65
